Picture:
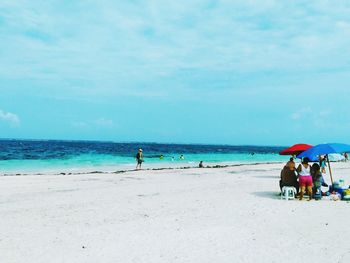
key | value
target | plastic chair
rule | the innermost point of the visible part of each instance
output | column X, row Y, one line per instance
column 288, row 192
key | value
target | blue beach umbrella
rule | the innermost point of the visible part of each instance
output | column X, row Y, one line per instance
column 325, row 149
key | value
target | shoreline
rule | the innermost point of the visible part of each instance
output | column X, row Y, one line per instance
column 214, row 166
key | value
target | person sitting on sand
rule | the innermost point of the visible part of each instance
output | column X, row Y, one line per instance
column 317, row 180
column 305, row 179
column 288, row 176
column 201, row 164
column 139, row 159
column 291, row 164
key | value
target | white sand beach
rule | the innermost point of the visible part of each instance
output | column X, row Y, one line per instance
column 231, row 214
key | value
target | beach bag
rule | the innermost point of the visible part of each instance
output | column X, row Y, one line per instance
column 335, row 196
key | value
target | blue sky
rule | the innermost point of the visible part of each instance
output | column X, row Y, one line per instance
column 232, row 72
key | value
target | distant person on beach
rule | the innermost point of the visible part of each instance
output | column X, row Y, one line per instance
column 322, row 163
column 139, row 159
column 305, row 178
column 288, row 175
column 346, row 157
column 201, row 164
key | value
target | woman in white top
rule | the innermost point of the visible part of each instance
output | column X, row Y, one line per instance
column 305, row 178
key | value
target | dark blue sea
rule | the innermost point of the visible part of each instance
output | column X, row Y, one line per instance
column 35, row 155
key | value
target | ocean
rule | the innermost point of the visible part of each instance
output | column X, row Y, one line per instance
column 38, row 156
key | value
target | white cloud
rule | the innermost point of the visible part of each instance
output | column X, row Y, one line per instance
column 9, row 117
column 295, row 116
column 80, row 125
column 121, row 42
column 163, row 49
column 93, row 124
column 299, row 114
column 325, row 113
column 313, row 118
column 104, row 122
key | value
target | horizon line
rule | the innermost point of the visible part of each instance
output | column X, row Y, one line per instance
column 135, row 142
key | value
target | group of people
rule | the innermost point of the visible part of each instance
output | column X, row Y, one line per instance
column 305, row 178
column 140, row 159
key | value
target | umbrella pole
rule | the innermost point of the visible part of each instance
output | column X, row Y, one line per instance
column 330, row 171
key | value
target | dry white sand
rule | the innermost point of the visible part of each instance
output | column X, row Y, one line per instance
column 193, row 215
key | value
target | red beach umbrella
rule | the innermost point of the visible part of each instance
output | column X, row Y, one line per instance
column 296, row 149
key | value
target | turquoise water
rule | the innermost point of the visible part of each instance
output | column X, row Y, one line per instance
column 28, row 156
column 107, row 162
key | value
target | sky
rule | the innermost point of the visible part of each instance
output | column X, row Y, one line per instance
column 219, row 72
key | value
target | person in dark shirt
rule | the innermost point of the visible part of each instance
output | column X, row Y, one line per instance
column 139, row 159
column 288, row 175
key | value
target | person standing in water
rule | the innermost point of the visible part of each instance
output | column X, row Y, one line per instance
column 139, row 159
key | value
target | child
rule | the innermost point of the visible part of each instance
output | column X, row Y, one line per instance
column 318, row 181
